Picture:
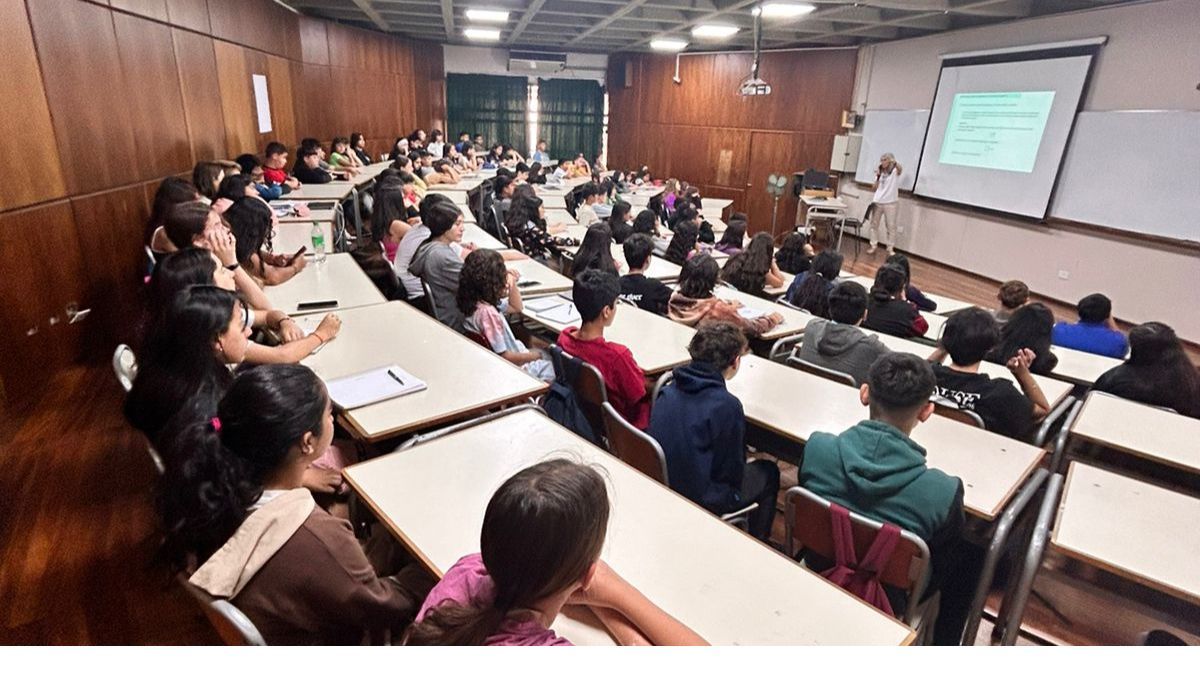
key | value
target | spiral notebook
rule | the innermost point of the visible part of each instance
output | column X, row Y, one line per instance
column 373, row 386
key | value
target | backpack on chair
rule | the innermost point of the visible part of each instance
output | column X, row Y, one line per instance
column 561, row 403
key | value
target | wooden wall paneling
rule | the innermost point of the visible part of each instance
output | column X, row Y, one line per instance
column 77, row 49
column 314, row 43
column 237, row 99
column 771, row 152
column 311, row 95
column 155, row 106
column 111, row 225
column 154, row 9
column 25, row 115
column 283, row 115
column 201, row 89
column 191, row 14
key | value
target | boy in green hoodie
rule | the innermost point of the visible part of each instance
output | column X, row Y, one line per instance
column 876, row 470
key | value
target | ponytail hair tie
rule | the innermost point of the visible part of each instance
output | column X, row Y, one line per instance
column 216, row 424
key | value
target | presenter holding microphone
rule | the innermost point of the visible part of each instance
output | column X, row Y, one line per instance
column 885, row 203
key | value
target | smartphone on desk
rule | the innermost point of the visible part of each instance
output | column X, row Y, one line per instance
column 316, row 304
column 527, row 283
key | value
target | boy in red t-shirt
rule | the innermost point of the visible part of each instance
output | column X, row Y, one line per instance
column 595, row 295
column 274, row 160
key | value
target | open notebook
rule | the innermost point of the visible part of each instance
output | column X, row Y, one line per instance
column 373, row 386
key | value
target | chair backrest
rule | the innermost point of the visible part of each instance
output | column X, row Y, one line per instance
column 587, row 383
column 124, row 365
column 821, row 371
column 633, row 446
column 234, row 627
column 496, row 221
column 479, row 339
column 568, row 264
column 947, row 408
column 659, row 385
column 809, row 528
column 433, row 308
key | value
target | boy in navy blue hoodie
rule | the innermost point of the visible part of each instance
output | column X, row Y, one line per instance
column 701, row 428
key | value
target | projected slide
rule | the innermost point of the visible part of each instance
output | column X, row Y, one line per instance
column 996, row 130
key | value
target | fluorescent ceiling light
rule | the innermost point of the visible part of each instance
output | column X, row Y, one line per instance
column 491, row 15
column 786, row 10
column 714, row 30
column 490, row 34
column 668, row 45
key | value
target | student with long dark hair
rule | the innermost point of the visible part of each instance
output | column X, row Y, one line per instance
column 236, row 505
column 1158, row 372
column 358, row 145
column 399, row 149
column 753, row 270
column 684, row 244
column 486, row 292
column 595, row 252
column 251, row 221
column 888, row 311
column 391, row 216
column 733, row 240
column 810, row 290
column 911, row 292
column 543, row 532
column 172, row 191
column 695, row 303
column 438, row 261
column 795, row 254
column 1029, row 328
column 526, row 223
column 207, row 177
column 618, row 222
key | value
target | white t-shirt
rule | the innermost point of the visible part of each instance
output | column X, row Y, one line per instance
column 889, row 187
column 436, row 149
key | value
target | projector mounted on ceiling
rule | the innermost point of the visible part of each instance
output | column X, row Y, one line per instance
column 755, row 86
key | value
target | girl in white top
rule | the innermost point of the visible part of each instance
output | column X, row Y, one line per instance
column 885, row 203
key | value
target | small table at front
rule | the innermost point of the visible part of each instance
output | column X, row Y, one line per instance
column 658, row 344
column 1132, row 428
column 338, row 278
column 1135, row 530
column 722, row 584
column 463, row 378
column 995, row 470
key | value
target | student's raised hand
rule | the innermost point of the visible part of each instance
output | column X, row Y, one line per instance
column 223, row 244
column 1021, row 361
column 329, row 327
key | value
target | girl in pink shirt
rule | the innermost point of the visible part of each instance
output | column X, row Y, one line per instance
column 541, row 540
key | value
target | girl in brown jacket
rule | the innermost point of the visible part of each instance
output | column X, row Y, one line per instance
column 694, row 302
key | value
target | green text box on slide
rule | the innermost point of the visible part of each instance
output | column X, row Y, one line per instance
column 996, row 130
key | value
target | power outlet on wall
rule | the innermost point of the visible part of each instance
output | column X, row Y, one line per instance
column 1064, row 275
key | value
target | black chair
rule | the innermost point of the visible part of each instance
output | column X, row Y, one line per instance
column 856, row 226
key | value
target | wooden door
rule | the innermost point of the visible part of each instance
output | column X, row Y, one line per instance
column 780, row 152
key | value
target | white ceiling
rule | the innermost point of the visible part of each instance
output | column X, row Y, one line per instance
column 606, row 26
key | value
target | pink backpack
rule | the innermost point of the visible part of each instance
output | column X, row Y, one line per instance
column 861, row 579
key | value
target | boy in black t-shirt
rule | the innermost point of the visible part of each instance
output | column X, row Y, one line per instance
column 651, row 295
column 968, row 336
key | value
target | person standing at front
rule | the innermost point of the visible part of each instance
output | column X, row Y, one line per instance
column 885, row 204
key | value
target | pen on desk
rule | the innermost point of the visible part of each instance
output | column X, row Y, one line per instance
column 395, row 377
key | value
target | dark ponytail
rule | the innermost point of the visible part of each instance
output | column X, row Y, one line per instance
column 220, row 460
column 889, row 282
column 813, row 293
column 542, row 531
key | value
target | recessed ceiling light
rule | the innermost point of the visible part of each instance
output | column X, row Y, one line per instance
column 489, row 15
column 714, row 30
column 488, row 34
column 786, row 10
column 668, row 45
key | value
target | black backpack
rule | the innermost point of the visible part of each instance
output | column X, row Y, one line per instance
column 560, row 403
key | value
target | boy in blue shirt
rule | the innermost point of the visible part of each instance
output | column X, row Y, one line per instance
column 701, row 428
column 1096, row 331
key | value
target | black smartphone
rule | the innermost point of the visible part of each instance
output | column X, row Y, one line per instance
column 317, row 206
column 298, row 254
column 316, row 304
column 527, row 283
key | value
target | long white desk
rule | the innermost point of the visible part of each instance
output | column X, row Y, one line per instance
column 724, row 585
column 338, row 278
column 463, row 378
column 794, row 320
column 1082, row 367
column 291, row 236
column 1141, row 430
column 547, row 280
column 474, row 234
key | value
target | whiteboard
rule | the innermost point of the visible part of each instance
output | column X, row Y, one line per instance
column 1136, row 170
column 900, row 132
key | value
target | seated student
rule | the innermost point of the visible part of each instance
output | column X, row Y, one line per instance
column 585, row 213
column 753, row 270
column 649, row 294
column 358, row 145
column 525, row 222
column 795, row 255
column 405, row 165
column 380, row 271
column 187, row 225
column 684, row 244
column 646, row 223
column 274, row 172
column 560, row 173
column 911, row 292
column 437, row 143
column 234, row 187
column 207, row 177
column 618, row 222
column 539, row 153
column 505, row 186
column 239, row 507
column 253, row 168
column 417, row 234
column 734, row 238
column 308, row 167
column 443, row 172
column 604, row 202
column 810, row 290
column 312, row 143
column 1012, row 296
column 250, row 219
column 595, row 295
column 1027, row 328
column 875, row 469
column 595, row 252
column 438, row 263
column 537, row 175
column 837, row 343
column 521, row 172
column 543, row 532
column 969, row 335
column 702, row 430
column 694, row 302
column 391, row 217
column 888, row 311
column 486, row 292
column 1096, row 332
column 1158, row 372
column 171, row 191
column 341, row 158
column 689, row 214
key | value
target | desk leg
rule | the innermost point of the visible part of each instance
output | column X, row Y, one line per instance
column 340, row 245
column 1032, row 562
column 358, row 224
column 1000, row 533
